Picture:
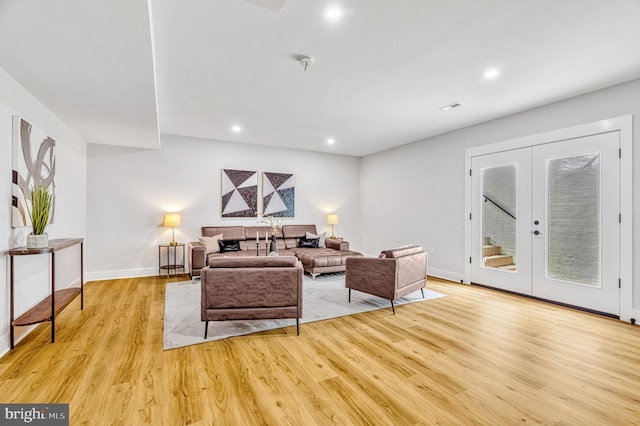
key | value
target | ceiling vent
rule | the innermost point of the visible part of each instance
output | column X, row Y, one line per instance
column 451, row 106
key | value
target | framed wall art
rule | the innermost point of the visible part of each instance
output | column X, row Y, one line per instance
column 34, row 164
column 239, row 193
column 278, row 194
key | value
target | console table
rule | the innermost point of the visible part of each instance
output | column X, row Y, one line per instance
column 49, row 307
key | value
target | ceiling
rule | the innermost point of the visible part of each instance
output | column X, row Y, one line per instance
column 122, row 72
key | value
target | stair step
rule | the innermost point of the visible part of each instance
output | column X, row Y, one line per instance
column 489, row 250
column 511, row 267
column 498, row 260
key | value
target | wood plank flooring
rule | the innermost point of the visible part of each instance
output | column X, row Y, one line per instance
column 477, row 356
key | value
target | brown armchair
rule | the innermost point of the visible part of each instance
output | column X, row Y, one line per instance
column 394, row 274
column 235, row 288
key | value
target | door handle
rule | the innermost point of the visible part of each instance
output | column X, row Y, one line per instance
column 536, row 232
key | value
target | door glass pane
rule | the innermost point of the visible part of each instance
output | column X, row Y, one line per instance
column 499, row 217
column 573, row 241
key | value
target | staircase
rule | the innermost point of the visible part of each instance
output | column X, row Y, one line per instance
column 492, row 257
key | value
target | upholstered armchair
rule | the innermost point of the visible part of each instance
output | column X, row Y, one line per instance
column 246, row 288
column 394, row 274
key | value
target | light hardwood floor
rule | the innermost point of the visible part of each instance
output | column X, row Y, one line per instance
column 477, row 356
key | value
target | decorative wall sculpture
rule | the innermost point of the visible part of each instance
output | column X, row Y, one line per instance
column 278, row 194
column 239, row 193
column 34, row 164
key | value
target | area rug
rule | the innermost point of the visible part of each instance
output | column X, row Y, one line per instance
column 323, row 298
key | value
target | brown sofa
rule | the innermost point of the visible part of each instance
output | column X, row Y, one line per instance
column 315, row 261
column 394, row 274
column 243, row 288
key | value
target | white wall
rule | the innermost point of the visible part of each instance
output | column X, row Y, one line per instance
column 418, row 190
column 130, row 189
column 32, row 272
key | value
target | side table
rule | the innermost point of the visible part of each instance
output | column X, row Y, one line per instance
column 170, row 265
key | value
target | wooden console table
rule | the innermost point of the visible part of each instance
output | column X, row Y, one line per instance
column 48, row 308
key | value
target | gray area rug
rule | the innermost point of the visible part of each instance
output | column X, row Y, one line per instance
column 323, row 298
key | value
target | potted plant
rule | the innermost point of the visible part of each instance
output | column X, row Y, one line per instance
column 39, row 213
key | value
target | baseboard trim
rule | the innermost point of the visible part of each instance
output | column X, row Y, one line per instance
column 125, row 273
column 122, row 273
column 445, row 275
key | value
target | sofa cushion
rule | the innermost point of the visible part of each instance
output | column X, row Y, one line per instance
column 290, row 243
column 321, row 238
column 308, row 242
column 403, row 251
column 253, row 262
column 228, row 232
column 322, row 258
column 211, row 243
column 297, row 231
column 232, row 245
column 251, row 253
column 262, row 231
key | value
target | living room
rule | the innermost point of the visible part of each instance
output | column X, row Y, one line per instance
column 115, row 196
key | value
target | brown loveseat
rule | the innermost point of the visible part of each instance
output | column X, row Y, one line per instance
column 394, row 274
column 331, row 258
column 243, row 288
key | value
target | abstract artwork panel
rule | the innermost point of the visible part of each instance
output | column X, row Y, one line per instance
column 34, row 164
column 239, row 193
column 278, row 194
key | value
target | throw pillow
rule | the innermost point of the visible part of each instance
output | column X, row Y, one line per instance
column 211, row 243
column 321, row 238
column 309, row 242
column 231, row 245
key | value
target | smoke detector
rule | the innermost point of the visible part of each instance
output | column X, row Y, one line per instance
column 306, row 62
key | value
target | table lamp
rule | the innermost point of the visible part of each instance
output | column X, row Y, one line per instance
column 171, row 220
column 332, row 219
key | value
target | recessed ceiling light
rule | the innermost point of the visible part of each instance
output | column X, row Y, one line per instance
column 450, row 106
column 334, row 13
column 491, row 73
column 331, row 141
column 235, row 128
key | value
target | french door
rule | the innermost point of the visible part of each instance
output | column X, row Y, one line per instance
column 501, row 217
column 545, row 221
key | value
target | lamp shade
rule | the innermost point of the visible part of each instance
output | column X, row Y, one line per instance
column 171, row 220
column 332, row 219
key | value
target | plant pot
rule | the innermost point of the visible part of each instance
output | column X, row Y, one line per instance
column 37, row 241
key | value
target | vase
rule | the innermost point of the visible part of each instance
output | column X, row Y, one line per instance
column 273, row 247
column 37, row 241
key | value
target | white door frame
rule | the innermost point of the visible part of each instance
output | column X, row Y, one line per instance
column 624, row 125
